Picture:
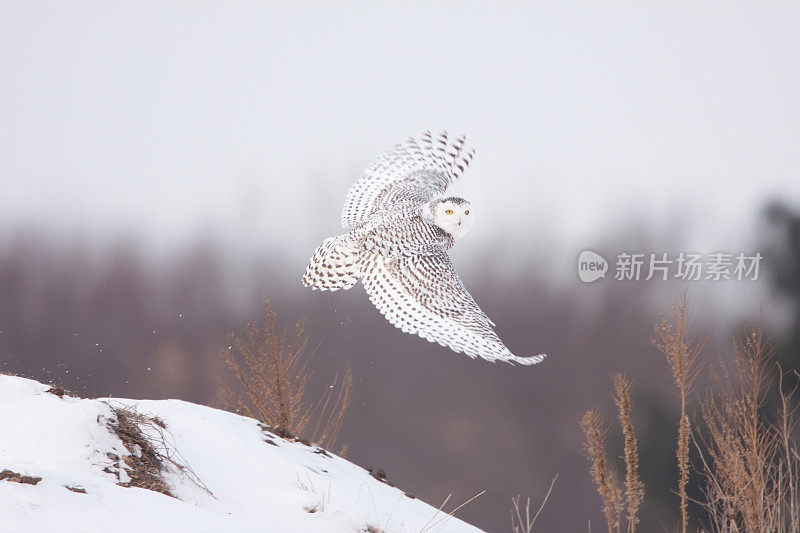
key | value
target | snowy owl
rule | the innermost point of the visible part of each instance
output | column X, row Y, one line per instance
column 400, row 227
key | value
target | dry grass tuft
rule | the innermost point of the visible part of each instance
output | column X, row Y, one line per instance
column 271, row 365
column 144, row 464
column 150, row 455
column 752, row 466
column 525, row 525
column 604, row 478
column 790, row 468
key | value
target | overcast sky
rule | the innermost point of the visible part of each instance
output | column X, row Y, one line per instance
column 170, row 119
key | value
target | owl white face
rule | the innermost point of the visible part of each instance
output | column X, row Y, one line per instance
column 453, row 215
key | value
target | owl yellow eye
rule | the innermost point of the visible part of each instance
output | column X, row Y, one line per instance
column 466, row 212
column 449, row 211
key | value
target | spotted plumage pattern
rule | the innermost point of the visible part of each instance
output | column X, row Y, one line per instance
column 333, row 265
column 400, row 229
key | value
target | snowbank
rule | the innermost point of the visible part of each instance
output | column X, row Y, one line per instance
column 256, row 482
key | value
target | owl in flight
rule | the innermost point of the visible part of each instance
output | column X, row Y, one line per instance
column 400, row 226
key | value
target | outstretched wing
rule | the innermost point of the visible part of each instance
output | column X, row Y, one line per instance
column 424, row 295
column 412, row 173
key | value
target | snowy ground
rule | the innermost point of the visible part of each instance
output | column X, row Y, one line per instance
column 254, row 485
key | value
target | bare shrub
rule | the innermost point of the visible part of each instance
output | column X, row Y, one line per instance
column 271, row 366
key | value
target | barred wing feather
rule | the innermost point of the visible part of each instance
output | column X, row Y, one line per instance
column 424, row 295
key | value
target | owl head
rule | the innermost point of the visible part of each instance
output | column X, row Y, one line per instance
column 452, row 214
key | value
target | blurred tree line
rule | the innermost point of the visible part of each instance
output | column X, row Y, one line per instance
column 782, row 242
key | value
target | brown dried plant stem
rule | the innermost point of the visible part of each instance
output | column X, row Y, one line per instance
column 682, row 354
column 604, row 478
column 786, row 428
column 634, row 488
column 525, row 525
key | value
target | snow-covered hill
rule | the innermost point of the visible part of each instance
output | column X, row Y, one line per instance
column 236, row 476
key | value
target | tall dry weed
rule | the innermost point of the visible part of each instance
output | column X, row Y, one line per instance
column 605, row 478
column 634, row 488
column 682, row 353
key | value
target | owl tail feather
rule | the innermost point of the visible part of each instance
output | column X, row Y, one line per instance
column 334, row 265
column 526, row 361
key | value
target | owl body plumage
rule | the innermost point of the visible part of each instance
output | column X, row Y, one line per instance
column 400, row 230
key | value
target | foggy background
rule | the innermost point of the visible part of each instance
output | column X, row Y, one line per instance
column 165, row 168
